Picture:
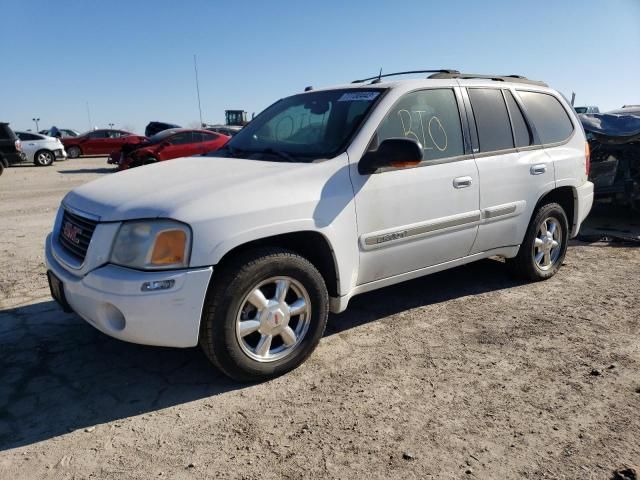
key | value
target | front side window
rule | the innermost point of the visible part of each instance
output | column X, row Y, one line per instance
column 492, row 119
column 430, row 117
column 98, row 134
column 181, row 139
column 548, row 116
column 304, row 127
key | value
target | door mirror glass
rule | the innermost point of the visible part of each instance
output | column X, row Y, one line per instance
column 392, row 152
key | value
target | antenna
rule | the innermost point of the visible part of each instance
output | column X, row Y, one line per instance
column 89, row 116
column 195, row 66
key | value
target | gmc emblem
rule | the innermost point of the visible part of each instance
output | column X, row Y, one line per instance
column 71, row 232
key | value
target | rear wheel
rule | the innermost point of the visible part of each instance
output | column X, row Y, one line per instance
column 544, row 246
column 43, row 158
column 265, row 313
column 74, row 152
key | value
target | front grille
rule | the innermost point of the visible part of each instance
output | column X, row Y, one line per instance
column 75, row 234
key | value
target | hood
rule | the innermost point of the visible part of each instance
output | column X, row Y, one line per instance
column 195, row 188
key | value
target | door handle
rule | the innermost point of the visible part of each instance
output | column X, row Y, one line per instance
column 538, row 169
column 462, row 182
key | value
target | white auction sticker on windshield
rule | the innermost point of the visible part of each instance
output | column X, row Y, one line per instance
column 358, row 96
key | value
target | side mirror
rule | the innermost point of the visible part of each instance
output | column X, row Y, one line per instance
column 392, row 152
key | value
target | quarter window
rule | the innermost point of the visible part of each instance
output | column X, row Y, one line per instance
column 430, row 117
column 520, row 129
column 492, row 119
column 548, row 116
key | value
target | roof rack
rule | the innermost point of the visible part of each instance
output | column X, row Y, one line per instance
column 377, row 78
column 497, row 78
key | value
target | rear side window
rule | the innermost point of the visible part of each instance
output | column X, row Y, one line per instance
column 26, row 137
column 209, row 137
column 521, row 131
column 492, row 119
column 429, row 116
column 551, row 120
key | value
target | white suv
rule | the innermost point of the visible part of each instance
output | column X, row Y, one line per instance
column 324, row 195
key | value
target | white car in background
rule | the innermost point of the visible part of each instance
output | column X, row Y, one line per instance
column 40, row 149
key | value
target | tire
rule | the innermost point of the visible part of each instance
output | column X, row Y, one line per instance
column 74, row 151
column 539, row 257
column 44, row 158
column 1, row 167
column 245, row 353
column 149, row 160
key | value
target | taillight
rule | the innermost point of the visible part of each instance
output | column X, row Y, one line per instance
column 18, row 145
column 587, row 157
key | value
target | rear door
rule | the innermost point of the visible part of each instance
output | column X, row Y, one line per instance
column 179, row 145
column 210, row 142
column 29, row 144
column 513, row 167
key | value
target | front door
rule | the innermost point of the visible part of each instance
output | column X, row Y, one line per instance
column 412, row 218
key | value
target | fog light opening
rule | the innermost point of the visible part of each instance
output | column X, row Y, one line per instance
column 157, row 285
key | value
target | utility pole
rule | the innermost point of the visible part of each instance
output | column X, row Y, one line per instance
column 36, row 120
column 111, row 125
column 195, row 66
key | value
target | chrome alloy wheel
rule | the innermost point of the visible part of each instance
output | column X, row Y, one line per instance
column 44, row 158
column 548, row 244
column 273, row 319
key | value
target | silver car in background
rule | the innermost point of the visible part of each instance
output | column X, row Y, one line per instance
column 40, row 149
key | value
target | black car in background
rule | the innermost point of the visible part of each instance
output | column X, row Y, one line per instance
column 10, row 147
column 156, row 127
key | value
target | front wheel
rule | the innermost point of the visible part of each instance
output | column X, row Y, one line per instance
column 544, row 246
column 265, row 313
column 44, row 158
column 74, row 152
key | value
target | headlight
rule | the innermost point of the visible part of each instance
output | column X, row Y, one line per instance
column 152, row 245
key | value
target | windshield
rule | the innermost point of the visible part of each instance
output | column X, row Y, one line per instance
column 581, row 109
column 304, row 127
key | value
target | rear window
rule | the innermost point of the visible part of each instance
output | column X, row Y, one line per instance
column 549, row 117
column 492, row 119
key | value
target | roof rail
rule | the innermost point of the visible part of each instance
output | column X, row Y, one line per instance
column 378, row 77
column 497, row 78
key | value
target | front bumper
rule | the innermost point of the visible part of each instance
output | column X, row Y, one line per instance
column 110, row 299
column 60, row 154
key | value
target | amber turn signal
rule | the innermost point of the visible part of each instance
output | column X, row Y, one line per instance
column 169, row 248
column 405, row 164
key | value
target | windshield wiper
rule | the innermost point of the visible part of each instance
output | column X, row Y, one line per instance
column 284, row 155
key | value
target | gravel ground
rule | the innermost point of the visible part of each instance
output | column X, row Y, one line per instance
column 463, row 374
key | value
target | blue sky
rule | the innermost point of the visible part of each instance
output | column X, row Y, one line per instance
column 132, row 61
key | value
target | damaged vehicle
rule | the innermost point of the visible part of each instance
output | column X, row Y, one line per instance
column 615, row 157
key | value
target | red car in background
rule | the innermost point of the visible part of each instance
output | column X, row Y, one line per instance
column 99, row 142
column 168, row 144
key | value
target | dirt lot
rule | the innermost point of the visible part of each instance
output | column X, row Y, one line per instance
column 464, row 374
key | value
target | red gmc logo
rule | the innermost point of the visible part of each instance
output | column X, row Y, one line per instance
column 71, row 232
